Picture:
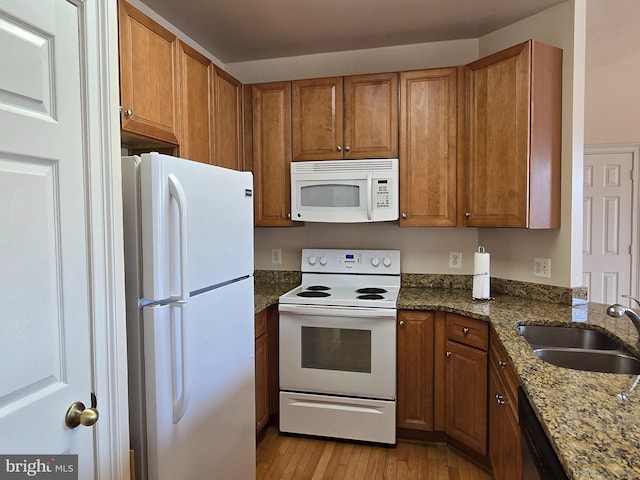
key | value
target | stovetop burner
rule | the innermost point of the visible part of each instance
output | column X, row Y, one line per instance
column 371, row 290
column 318, row 287
column 312, row 293
column 370, row 296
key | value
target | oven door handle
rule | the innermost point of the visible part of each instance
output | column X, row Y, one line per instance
column 332, row 311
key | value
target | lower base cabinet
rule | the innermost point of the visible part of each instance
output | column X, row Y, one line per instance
column 504, row 431
column 262, row 370
column 266, row 359
column 455, row 382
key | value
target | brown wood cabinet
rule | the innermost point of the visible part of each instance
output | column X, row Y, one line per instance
column 262, row 370
column 428, row 147
column 466, row 381
column 226, row 94
column 513, row 138
column 504, row 431
column 345, row 117
column 195, row 113
column 415, row 370
column 266, row 359
column 148, row 77
column 271, row 153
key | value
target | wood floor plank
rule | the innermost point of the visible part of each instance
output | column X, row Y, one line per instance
column 286, row 457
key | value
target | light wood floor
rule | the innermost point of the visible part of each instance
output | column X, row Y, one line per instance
column 282, row 457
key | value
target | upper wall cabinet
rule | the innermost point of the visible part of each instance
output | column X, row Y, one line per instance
column 345, row 117
column 513, row 138
column 226, row 94
column 428, row 153
column 195, row 113
column 148, row 77
column 271, row 153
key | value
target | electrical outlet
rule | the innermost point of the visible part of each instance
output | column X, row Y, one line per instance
column 542, row 267
column 455, row 259
column 276, row 256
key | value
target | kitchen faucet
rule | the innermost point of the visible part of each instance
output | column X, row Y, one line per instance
column 618, row 311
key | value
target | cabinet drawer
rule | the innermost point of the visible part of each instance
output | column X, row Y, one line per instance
column 260, row 323
column 468, row 331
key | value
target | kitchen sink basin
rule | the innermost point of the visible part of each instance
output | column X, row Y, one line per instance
column 544, row 336
column 580, row 349
column 608, row 361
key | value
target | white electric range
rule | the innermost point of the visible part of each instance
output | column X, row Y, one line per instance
column 338, row 346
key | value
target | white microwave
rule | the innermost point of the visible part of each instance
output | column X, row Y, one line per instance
column 345, row 191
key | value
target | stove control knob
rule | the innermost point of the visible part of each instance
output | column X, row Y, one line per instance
column 386, row 262
column 323, row 260
column 312, row 260
column 375, row 261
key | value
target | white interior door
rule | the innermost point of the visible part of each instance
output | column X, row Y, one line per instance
column 45, row 324
column 608, row 225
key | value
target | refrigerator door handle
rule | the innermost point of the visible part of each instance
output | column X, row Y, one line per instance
column 177, row 192
column 181, row 378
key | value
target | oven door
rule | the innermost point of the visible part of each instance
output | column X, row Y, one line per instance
column 347, row 351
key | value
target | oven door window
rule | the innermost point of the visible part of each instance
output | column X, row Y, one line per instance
column 343, row 349
column 339, row 195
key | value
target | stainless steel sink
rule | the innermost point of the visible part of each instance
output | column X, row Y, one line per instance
column 580, row 349
column 567, row 337
column 608, row 361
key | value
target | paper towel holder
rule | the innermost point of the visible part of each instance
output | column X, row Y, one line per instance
column 481, row 249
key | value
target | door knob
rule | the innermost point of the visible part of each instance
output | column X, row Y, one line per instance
column 78, row 414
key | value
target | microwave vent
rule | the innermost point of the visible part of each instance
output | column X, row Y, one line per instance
column 383, row 164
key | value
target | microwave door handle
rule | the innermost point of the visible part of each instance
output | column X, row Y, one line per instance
column 369, row 196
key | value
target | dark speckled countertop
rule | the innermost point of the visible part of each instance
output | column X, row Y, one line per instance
column 595, row 435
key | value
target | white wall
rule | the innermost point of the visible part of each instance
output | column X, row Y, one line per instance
column 564, row 27
column 612, row 92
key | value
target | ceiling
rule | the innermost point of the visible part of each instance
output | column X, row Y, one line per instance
column 242, row 30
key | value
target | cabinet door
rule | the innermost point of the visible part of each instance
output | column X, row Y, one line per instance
column 514, row 103
column 227, row 119
column 317, row 119
column 148, row 77
column 415, row 370
column 195, row 113
column 262, row 382
column 428, row 153
column 371, row 116
column 496, row 420
column 466, row 399
column 498, row 139
column 272, row 153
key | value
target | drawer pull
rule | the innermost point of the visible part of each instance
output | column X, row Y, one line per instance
column 465, row 330
column 500, row 399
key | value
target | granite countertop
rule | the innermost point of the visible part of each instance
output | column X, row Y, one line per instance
column 266, row 294
column 595, row 435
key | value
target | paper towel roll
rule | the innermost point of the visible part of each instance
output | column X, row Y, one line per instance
column 481, row 275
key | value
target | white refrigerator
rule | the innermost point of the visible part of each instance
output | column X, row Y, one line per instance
column 190, row 329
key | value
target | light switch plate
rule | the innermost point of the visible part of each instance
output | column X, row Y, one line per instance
column 276, row 256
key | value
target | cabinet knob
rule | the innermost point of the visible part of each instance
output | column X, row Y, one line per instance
column 403, row 215
column 467, row 214
column 338, row 148
column 347, row 148
column 502, row 364
column 401, row 323
column 128, row 112
column 448, row 354
column 465, row 330
column 500, row 399
column 289, row 216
